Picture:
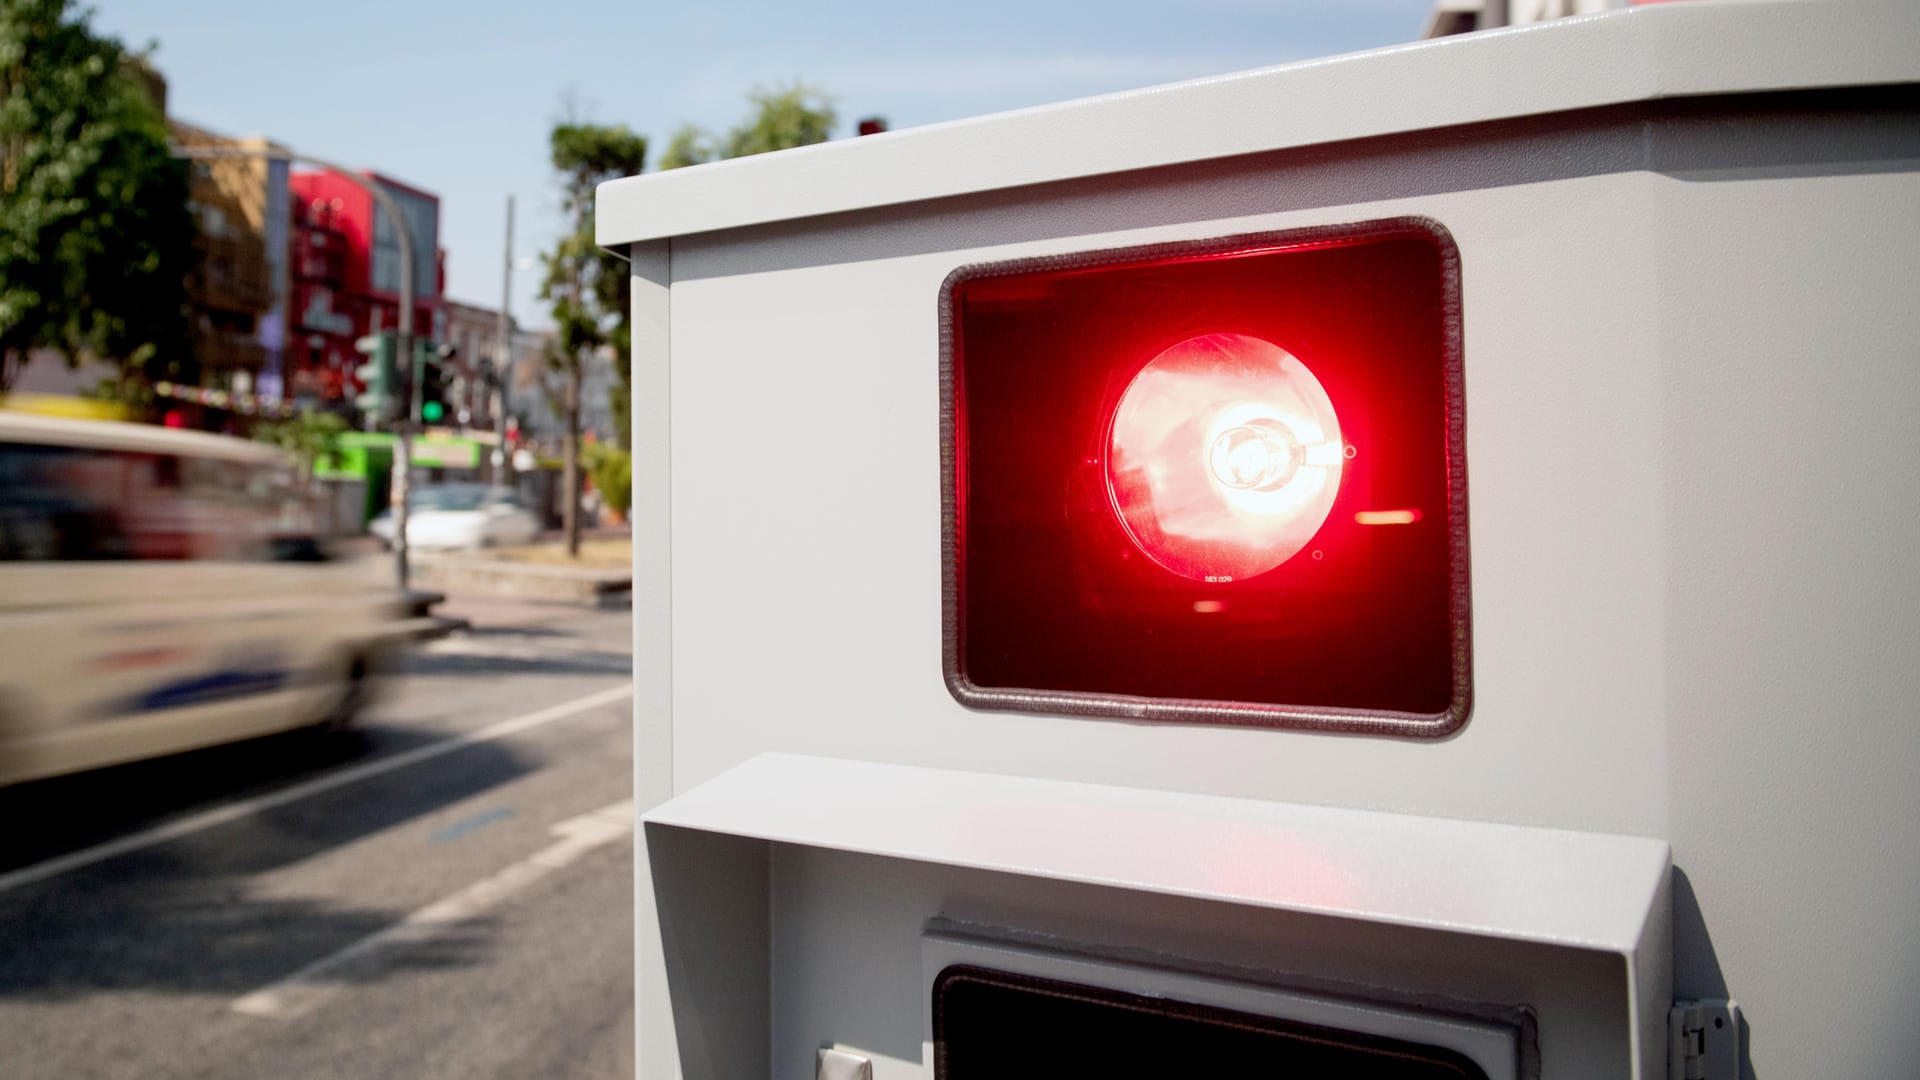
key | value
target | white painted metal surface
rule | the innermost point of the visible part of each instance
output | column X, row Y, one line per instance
column 1691, row 379
column 773, row 948
column 1658, row 51
column 1522, row 902
column 1552, row 886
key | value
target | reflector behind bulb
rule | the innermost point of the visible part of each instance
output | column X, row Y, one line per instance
column 1224, row 457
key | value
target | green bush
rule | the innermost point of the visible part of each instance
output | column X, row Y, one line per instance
column 309, row 437
column 612, row 472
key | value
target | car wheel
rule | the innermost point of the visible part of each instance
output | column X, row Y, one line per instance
column 352, row 698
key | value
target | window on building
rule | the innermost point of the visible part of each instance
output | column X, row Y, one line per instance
column 423, row 226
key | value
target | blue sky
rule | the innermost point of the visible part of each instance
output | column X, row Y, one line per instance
column 457, row 96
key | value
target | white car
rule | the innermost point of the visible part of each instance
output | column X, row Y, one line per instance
column 161, row 591
column 461, row 516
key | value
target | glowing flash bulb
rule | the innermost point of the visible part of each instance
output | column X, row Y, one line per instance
column 1262, row 455
column 1224, row 458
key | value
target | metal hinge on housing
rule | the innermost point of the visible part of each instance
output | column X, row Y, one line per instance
column 1703, row 1040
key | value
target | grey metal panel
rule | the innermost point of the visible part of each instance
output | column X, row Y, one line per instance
column 1790, row 340
column 711, row 895
column 1660, row 51
column 652, row 635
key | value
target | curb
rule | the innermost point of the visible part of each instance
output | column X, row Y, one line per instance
column 427, row 628
column 554, row 584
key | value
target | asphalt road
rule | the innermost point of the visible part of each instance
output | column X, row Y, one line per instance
column 445, row 893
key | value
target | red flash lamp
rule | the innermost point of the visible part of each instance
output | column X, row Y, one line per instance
column 1225, row 457
column 1212, row 482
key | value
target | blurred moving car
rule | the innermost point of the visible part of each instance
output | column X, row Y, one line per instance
column 461, row 516
column 163, row 590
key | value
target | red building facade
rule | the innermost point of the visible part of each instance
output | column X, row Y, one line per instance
column 345, row 276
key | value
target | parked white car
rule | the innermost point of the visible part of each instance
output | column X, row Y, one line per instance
column 449, row 516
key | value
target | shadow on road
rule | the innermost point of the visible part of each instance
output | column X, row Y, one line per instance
column 50, row 817
column 510, row 632
column 444, row 663
column 183, row 916
column 191, row 938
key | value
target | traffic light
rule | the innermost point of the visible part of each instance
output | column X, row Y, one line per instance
column 434, row 381
column 377, row 375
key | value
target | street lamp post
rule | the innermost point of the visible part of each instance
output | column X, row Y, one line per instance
column 403, row 451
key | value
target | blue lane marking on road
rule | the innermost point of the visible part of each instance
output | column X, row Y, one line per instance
column 466, row 825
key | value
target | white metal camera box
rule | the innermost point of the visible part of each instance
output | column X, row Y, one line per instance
column 1400, row 565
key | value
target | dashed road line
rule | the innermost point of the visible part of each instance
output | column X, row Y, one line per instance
column 234, row 811
column 310, row 987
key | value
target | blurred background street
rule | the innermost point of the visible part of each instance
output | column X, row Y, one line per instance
column 444, row 891
column 315, row 470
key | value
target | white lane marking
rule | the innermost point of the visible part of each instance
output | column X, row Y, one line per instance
column 221, row 815
column 308, row 988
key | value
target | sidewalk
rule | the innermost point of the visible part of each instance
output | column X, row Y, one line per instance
column 541, row 572
column 487, row 612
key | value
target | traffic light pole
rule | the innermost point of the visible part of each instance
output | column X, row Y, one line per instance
column 403, row 344
column 416, row 382
column 503, row 362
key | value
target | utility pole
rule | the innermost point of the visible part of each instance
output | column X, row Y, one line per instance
column 503, row 360
column 403, row 341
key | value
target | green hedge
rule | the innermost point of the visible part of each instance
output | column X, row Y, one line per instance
column 612, row 472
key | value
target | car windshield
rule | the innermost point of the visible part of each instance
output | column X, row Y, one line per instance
column 450, row 497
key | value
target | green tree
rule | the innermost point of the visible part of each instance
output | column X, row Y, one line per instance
column 308, row 437
column 589, row 289
column 782, row 118
column 689, row 146
column 96, row 240
column 612, row 472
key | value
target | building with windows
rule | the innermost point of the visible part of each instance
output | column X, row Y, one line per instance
column 346, row 275
column 237, row 291
column 237, row 294
column 1465, row 16
column 323, row 307
column 293, row 267
column 473, row 333
column 535, row 393
column 539, row 394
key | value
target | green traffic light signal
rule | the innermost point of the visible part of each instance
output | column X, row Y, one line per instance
column 430, row 393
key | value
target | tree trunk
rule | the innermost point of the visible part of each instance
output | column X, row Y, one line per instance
column 570, row 479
